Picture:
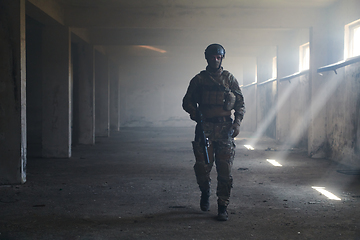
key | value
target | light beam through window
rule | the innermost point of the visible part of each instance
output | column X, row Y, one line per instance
column 249, row 147
column 274, row 162
column 328, row 194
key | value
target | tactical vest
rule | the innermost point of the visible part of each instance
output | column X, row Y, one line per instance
column 215, row 94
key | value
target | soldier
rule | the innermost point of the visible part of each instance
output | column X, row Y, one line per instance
column 216, row 93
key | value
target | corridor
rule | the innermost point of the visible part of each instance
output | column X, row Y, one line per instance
column 95, row 144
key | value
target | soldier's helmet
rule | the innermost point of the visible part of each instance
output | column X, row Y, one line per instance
column 214, row 49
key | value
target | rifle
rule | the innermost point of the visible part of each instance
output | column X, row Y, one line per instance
column 204, row 140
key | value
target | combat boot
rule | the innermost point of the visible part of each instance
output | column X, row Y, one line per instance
column 222, row 213
column 204, row 200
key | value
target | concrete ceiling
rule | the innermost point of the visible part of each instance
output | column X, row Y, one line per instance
column 245, row 26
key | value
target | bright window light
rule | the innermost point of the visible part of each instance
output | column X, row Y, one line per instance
column 274, row 162
column 356, row 42
column 352, row 39
column 249, row 147
column 304, row 60
column 256, row 75
column 328, row 194
column 274, row 68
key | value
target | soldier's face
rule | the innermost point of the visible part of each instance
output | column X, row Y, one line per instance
column 214, row 61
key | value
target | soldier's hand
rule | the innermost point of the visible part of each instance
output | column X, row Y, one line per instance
column 193, row 116
column 236, row 129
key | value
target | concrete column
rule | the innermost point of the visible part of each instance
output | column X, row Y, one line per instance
column 56, row 133
column 102, row 96
column 12, row 92
column 34, row 78
column 318, row 58
column 84, row 93
column 114, row 96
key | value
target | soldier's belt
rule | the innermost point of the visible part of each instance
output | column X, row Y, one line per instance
column 218, row 119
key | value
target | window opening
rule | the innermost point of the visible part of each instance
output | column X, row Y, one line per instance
column 274, row 68
column 256, row 74
column 356, row 42
column 352, row 39
column 304, row 60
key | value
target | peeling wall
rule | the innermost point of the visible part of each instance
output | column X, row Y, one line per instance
column 343, row 117
column 343, row 104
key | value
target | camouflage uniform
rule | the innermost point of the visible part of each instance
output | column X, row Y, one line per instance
column 207, row 90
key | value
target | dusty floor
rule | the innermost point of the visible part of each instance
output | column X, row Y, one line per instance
column 139, row 184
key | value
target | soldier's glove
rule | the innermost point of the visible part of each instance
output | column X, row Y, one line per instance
column 235, row 128
column 193, row 116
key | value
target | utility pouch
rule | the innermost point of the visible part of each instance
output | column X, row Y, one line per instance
column 229, row 99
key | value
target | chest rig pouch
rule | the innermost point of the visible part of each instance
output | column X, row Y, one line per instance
column 217, row 94
column 212, row 95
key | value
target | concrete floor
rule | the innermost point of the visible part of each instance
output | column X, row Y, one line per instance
column 139, row 184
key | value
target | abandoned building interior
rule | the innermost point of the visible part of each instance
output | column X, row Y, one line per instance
column 90, row 105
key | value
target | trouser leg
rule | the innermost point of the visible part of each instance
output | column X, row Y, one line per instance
column 224, row 157
column 202, row 170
